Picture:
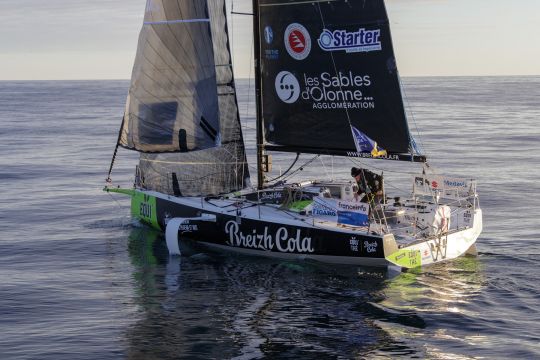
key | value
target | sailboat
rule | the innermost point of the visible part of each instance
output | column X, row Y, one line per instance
column 326, row 83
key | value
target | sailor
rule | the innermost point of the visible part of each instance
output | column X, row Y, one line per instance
column 370, row 185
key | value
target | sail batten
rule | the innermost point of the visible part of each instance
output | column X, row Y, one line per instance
column 179, row 21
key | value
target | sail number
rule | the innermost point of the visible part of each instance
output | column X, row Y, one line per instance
column 145, row 210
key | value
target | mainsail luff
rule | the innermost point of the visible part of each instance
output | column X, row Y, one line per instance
column 258, row 101
column 338, row 58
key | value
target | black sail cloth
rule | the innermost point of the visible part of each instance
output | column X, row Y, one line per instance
column 328, row 69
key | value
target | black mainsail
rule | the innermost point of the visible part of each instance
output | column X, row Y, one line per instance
column 329, row 81
column 182, row 112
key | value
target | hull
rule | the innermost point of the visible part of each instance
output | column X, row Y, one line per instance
column 262, row 230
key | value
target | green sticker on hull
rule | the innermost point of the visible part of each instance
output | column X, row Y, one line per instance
column 406, row 258
column 143, row 207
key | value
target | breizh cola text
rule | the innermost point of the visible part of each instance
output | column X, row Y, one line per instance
column 280, row 240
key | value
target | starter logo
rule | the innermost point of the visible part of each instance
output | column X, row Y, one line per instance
column 297, row 41
column 359, row 41
column 287, row 87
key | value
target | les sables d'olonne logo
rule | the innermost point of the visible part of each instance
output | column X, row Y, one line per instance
column 287, row 87
column 297, row 41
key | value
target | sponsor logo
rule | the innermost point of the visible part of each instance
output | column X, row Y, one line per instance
column 323, row 212
column 455, row 183
column 357, row 41
column 370, row 156
column 370, row 247
column 280, row 241
column 467, row 216
column 188, row 227
column 268, row 35
column 344, row 90
column 341, row 91
column 271, row 196
column 287, row 87
column 354, row 244
column 434, row 184
column 321, row 209
column 419, row 181
column 360, row 207
column 271, row 54
column 297, row 41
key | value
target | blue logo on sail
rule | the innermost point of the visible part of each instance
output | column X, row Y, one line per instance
column 357, row 41
column 365, row 145
column 268, row 35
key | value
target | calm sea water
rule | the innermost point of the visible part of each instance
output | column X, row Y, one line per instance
column 80, row 280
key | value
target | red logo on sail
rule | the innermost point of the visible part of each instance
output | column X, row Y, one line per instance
column 297, row 41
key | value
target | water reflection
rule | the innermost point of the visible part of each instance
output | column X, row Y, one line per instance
column 432, row 309
column 225, row 306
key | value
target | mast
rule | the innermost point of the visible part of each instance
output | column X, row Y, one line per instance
column 259, row 119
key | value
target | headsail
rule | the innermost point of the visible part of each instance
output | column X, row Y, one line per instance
column 329, row 77
column 172, row 103
column 194, row 70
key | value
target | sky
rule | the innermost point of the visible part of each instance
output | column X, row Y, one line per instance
column 97, row 39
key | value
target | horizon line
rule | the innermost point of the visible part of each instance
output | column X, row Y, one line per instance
column 249, row 78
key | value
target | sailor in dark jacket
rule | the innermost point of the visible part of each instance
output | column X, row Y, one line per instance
column 370, row 185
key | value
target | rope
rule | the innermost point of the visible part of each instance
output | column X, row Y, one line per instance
column 301, row 168
column 286, row 171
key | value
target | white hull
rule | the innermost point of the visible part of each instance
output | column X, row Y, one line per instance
column 446, row 247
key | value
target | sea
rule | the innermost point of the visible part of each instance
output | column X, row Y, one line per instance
column 79, row 279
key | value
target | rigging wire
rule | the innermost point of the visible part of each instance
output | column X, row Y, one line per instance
column 301, row 168
column 233, row 56
column 109, row 180
column 335, row 68
column 422, row 147
column 324, row 167
column 286, row 171
column 360, row 163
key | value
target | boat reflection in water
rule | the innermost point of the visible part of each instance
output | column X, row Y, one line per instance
column 226, row 306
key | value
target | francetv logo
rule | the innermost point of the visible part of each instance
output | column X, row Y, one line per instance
column 356, row 41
